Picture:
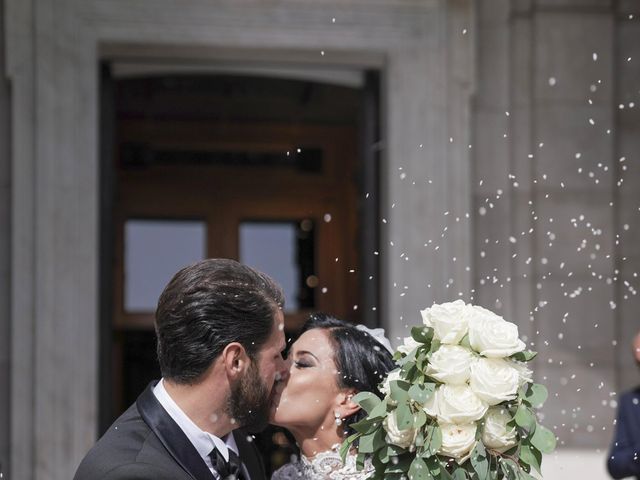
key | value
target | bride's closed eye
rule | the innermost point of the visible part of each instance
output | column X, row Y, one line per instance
column 304, row 359
column 301, row 364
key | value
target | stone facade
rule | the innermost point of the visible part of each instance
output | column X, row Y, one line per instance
column 548, row 210
column 490, row 108
column 5, row 257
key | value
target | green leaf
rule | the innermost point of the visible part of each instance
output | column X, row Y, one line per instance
column 536, row 395
column 400, row 464
column 459, row 473
column 379, row 410
column 404, row 416
column 422, row 334
column 522, row 475
column 382, row 454
column 418, row 470
column 379, row 467
column 360, row 461
column 400, row 391
column 422, row 393
column 438, row 469
column 433, row 440
column 480, row 462
column 435, row 345
column 465, row 342
column 410, row 357
column 421, row 361
column 367, row 425
column 524, row 356
column 389, row 451
column 530, row 455
column 543, row 439
column 525, row 418
column 510, row 468
column 410, row 372
column 367, row 400
column 420, row 419
column 372, row 442
column 393, row 476
column 346, row 445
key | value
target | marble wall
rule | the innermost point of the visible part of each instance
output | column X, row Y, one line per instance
column 555, row 244
column 53, row 49
column 627, row 158
column 5, row 258
column 545, row 234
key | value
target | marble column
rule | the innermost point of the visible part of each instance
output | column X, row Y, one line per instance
column 546, row 216
column 574, row 229
column 627, row 176
column 5, row 242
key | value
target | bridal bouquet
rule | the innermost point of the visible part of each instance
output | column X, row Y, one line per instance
column 459, row 406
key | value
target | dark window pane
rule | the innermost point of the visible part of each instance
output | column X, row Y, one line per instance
column 304, row 159
column 285, row 251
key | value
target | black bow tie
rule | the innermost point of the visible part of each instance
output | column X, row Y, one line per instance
column 231, row 470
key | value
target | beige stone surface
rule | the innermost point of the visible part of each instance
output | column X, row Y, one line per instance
column 443, row 90
column 5, row 256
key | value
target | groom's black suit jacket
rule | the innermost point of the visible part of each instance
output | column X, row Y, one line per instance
column 145, row 443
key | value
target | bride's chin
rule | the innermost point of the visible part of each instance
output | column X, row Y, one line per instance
column 273, row 414
column 278, row 417
column 274, row 420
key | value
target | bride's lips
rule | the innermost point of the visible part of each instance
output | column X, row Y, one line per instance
column 276, row 395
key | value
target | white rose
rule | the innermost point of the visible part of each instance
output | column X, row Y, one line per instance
column 492, row 336
column 385, row 387
column 408, row 345
column 450, row 364
column 494, row 380
column 401, row 438
column 457, row 404
column 495, row 433
column 526, row 375
column 448, row 320
column 458, row 441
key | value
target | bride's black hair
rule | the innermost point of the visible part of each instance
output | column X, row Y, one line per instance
column 362, row 362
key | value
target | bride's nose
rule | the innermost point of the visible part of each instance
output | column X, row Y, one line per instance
column 283, row 372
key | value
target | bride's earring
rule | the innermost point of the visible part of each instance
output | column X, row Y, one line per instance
column 338, row 419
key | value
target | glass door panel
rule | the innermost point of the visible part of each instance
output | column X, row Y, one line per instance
column 154, row 250
column 285, row 251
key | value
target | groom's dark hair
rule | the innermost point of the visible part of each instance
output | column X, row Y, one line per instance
column 205, row 307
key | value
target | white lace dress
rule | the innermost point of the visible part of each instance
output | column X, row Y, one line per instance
column 324, row 466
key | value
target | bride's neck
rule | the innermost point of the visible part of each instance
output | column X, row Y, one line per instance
column 322, row 440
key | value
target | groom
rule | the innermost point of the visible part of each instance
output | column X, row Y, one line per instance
column 220, row 336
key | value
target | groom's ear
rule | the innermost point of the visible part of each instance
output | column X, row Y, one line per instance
column 235, row 359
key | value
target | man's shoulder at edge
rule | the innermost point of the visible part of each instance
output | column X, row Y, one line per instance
column 129, row 449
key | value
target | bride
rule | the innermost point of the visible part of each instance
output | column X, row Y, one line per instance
column 331, row 361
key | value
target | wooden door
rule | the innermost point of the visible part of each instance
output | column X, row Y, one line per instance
column 222, row 178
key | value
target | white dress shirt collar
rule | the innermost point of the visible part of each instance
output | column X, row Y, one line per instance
column 204, row 442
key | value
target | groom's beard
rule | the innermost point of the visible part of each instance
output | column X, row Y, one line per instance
column 249, row 401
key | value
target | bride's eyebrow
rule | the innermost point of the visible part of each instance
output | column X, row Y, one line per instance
column 306, row 352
